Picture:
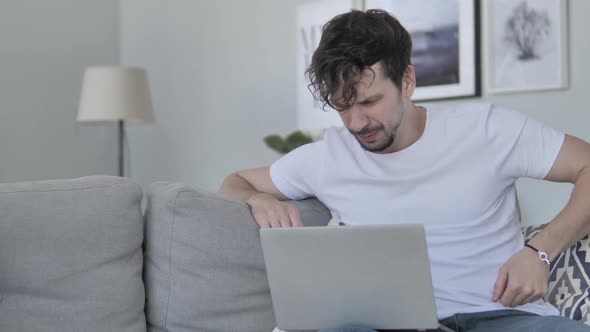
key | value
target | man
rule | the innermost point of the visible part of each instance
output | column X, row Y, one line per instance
column 452, row 169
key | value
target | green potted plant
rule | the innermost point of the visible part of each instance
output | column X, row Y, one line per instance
column 289, row 143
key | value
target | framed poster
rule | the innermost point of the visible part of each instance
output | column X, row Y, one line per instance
column 310, row 19
column 525, row 45
column 445, row 37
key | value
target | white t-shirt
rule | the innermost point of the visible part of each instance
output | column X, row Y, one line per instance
column 457, row 180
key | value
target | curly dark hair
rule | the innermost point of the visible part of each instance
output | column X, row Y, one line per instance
column 351, row 43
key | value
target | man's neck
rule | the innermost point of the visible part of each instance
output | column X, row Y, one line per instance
column 411, row 129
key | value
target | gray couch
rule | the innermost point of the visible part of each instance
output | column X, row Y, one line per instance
column 77, row 255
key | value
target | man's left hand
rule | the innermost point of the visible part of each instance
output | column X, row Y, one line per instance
column 523, row 279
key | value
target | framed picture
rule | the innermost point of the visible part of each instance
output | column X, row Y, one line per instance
column 525, row 45
column 445, row 37
column 310, row 19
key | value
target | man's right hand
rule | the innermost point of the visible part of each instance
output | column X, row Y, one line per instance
column 269, row 212
column 255, row 187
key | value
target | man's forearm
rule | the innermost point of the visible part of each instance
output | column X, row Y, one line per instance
column 571, row 224
column 237, row 187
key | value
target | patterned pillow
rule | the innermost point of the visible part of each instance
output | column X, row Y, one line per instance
column 569, row 281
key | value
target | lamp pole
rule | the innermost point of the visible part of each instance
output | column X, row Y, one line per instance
column 121, row 148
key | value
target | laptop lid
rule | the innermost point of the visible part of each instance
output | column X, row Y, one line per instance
column 324, row 277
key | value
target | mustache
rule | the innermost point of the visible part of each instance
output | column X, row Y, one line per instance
column 367, row 130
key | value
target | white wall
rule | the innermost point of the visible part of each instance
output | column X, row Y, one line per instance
column 223, row 77
column 567, row 110
column 44, row 48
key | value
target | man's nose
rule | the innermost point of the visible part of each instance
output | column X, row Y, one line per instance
column 358, row 119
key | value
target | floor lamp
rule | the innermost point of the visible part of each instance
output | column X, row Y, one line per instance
column 116, row 94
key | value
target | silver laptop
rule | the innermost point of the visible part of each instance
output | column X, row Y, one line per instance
column 376, row 276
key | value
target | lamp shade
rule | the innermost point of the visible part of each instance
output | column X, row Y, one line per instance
column 111, row 94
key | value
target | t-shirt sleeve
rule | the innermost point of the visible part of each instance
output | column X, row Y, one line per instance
column 296, row 174
column 523, row 146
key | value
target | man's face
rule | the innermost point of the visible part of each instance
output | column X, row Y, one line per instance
column 376, row 115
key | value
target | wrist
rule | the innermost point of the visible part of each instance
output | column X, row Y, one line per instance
column 542, row 255
column 257, row 197
column 553, row 242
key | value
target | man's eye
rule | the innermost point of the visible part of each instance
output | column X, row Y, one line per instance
column 370, row 102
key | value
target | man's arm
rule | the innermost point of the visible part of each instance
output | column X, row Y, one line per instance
column 573, row 222
column 256, row 189
column 524, row 278
column 244, row 184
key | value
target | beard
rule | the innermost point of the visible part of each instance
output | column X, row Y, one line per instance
column 376, row 146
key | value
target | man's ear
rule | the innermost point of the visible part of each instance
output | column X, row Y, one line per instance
column 409, row 81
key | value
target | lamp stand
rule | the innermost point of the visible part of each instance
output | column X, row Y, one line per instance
column 121, row 148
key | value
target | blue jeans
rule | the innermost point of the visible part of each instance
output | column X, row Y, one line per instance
column 493, row 321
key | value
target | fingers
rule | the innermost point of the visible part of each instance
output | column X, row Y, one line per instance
column 294, row 216
column 500, row 285
column 274, row 219
column 535, row 294
column 276, row 215
column 518, row 293
column 532, row 298
column 284, row 220
column 520, row 298
column 522, row 295
column 504, row 290
column 261, row 219
column 508, row 297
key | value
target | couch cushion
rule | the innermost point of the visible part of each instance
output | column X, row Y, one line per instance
column 204, row 269
column 569, row 281
column 70, row 256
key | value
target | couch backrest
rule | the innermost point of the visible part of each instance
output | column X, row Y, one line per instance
column 204, row 269
column 70, row 256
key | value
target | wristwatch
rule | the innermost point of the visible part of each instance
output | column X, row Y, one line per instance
column 542, row 255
